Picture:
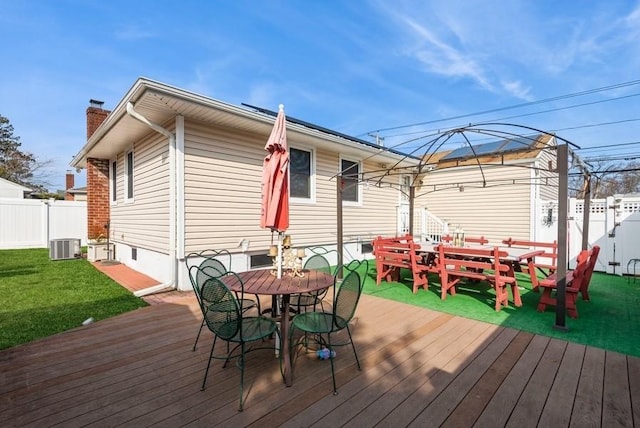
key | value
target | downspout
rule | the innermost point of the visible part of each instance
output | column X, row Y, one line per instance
column 173, row 283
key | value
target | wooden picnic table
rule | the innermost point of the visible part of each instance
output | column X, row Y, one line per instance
column 514, row 254
column 471, row 261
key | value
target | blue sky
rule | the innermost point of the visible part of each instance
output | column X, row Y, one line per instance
column 352, row 66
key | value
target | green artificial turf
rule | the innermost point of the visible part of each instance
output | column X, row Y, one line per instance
column 40, row 297
column 610, row 320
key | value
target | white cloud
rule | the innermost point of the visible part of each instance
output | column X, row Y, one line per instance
column 445, row 59
column 515, row 88
column 633, row 19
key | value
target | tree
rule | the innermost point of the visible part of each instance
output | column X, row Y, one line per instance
column 607, row 179
column 16, row 165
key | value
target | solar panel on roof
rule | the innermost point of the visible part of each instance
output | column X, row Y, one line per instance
column 485, row 149
column 495, row 147
column 520, row 143
column 462, row 152
column 480, row 149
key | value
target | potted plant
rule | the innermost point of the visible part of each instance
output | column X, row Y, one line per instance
column 98, row 248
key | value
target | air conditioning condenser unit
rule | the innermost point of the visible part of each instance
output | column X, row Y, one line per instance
column 64, row 249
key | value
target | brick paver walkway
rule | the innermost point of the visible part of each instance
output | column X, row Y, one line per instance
column 133, row 281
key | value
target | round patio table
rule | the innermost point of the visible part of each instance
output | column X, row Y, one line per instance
column 265, row 282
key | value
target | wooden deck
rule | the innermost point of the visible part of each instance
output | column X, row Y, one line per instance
column 420, row 368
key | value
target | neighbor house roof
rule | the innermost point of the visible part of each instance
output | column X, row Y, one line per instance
column 77, row 190
column 9, row 183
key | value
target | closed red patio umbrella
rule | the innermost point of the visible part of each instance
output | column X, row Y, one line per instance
column 275, row 180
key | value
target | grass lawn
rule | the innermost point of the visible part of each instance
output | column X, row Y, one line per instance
column 610, row 320
column 41, row 297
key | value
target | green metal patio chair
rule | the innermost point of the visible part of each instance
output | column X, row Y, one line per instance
column 361, row 266
column 213, row 260
column 226, row 320
column 219, row 260
column 198, row 278
column 213, row 266
column 322, row 324
column 198, row 274
column 318, row 261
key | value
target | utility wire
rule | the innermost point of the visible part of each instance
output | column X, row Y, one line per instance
column 553, row 130
column 546, row 100
column 540, row 112
column 607, row 146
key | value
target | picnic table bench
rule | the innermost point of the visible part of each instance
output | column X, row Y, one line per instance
column 576, row 281
column 480, row 264
column 393, row 254
column 531, row 262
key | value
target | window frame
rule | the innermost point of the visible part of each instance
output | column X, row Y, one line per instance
column 359, row 195
column 312, row 176
column 113, row 181
column 129, row 182
column 405, row 188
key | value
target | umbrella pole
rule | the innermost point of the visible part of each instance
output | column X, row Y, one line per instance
column 279, row 255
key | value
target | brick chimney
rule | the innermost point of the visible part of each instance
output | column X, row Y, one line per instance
column 97, row 177
column 95, row 116
column 97, row 197
column 69, row 183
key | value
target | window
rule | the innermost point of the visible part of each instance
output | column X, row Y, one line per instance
column 260, row 261
column 405, row 183
column 113, row 181
column 350, row 173
column 128, row 178
column 300, row 173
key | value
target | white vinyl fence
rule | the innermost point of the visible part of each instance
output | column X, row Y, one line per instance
column 32, row 223
column 614, row 225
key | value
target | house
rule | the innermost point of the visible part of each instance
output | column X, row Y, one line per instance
column 76, row 194
column 170, row 172
column 505, row 188
column 9, row 189
column 72, row 193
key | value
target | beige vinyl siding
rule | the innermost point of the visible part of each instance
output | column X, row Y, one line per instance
column 222, row 187
column 548, row 178
column 223, row 173
column 500, row 210
column 144, row 222
column 315, row 223
column 378, row 213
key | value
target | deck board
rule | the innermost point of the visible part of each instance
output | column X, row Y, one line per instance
column 616, row 405
column 502, row 404
column 557, row 409
column 419, row 367
column 436, row 372
column 389, row 370
column 442, row 407
column 634, row 388
column 471, row 406
column 587, row 405
column 533, row 397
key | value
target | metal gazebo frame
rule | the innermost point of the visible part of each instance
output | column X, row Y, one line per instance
column 562, row 158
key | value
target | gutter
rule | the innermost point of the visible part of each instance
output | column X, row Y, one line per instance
column 173, row 283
